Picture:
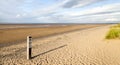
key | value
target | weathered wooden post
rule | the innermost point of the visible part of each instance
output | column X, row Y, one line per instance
column 29, row 47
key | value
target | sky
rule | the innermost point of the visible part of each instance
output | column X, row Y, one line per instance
column 59, row 11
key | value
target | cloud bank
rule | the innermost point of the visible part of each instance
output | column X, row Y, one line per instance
column 79, row 3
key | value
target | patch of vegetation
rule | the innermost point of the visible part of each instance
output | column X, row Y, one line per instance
column 114, row 32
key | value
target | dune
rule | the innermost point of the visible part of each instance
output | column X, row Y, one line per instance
column 81, row 47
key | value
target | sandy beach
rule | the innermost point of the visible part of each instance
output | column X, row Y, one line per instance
column 81, row 47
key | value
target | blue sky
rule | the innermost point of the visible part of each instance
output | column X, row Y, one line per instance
column 59, row 11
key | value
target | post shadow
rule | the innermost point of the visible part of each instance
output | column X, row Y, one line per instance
column 49, row 51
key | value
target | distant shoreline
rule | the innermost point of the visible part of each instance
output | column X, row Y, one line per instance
column 16, row 26
column 50, row 23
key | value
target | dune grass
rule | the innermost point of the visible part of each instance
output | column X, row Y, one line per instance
column 114, row 32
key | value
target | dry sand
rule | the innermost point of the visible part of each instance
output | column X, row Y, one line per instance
column 84, row 47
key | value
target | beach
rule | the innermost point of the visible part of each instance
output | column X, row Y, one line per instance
column 78, row 47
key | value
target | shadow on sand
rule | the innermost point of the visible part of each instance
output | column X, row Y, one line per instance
column 49, row 51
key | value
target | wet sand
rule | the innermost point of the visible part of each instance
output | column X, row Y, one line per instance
column 82, row 47
column 14, row 34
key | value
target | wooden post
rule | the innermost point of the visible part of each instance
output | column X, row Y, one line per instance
column 29, row 47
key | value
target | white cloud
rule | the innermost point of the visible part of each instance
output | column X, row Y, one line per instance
column 112, row 19
column 49, row 9
column 18, row 15
column 99, row 14
column 10, row 8
column 111, row 8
